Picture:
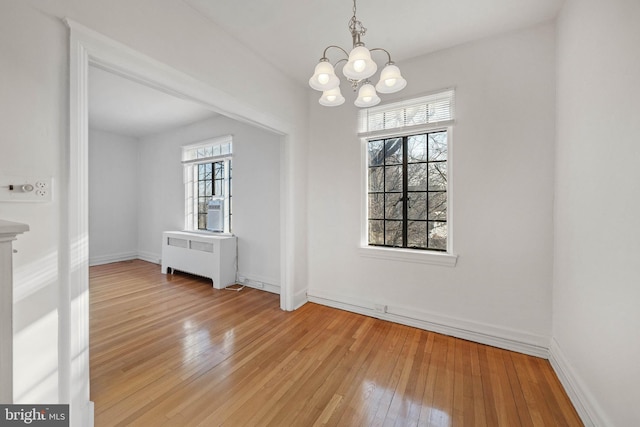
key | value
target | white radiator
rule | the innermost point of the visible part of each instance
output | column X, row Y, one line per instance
column 212, row 256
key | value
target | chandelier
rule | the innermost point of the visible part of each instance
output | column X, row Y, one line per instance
column 358, row 69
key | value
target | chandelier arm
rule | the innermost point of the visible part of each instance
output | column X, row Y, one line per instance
column 339, row 61
column 385, row 51
column 324, row 54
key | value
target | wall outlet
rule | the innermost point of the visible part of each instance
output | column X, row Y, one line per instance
column 26, row 189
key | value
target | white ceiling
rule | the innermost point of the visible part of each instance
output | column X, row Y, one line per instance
column 125, row 107
column 291, row 34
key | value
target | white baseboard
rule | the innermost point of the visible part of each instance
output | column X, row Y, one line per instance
column 508, row 339
column 586, row 406
column 149, row 257
column 257, row 281
column 299, row 299
column 108, row 259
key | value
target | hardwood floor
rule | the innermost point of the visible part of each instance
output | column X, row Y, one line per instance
column 173, row 351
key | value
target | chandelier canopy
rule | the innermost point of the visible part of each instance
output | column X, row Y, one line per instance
column 358, row 69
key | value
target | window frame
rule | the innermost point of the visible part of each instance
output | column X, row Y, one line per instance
column 425, row 256
column 406, row 193
column 191, row 180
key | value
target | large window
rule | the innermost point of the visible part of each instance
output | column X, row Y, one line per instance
column 408, row 191
column 407, row 151
column 207, row 173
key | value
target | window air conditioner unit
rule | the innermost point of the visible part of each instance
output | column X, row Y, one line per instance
column 215, row 215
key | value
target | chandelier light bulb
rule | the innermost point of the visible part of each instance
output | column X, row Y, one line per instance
column 367, row 96
column 331, row 98
column 324, row 77
column 391, row 80
column 360, row 65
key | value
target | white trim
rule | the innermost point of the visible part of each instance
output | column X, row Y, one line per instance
column 90, row 47
column 496, row 336
column 409, row 255
column 257, row 281
column 407, row 130
column 108, row 259
column 207, row 159
column 151, row 257
column 586, row 405
column 300, row 299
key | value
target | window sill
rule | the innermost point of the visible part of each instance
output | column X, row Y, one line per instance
column 409, row 255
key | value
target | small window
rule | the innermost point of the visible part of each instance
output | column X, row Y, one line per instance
column 207, row 173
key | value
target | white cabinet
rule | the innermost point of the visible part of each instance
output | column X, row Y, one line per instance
column 8, row 233
column 207, row 255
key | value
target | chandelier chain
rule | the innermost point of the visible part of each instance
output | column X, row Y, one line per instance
column 355, row 26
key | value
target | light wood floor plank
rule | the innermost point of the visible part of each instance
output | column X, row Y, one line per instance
column 169, row 350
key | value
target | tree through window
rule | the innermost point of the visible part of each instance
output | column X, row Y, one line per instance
column 407, row 191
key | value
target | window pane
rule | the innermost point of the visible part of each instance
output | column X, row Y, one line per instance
column 201, row 172
column 438, row 146
column 218, row 187
column 438, row 206
column 376, row 232
column 202, row 221
column 417, row 234
column 203, row 203
column 438, row 176
column 417, row 148
column 393, row 151
column 201, row 187
column 393, row 178
column 208, row 189
column 376, row 176
column 207, row 171
column 437, row 235
column 376, row 206
column 417, row 179
column 376, row 153
column 417, row 206
column 393, row 236
column 393, row 205
column 219, row 170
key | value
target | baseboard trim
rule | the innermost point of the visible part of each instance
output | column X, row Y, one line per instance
column 149, row 257
column 586, row 406
column 299, row 299
column 495, row 336
column 108, row 259
column 257, row 281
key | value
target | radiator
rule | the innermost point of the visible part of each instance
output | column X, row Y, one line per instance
column 211, row 256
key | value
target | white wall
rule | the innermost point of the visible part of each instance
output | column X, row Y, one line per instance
column 113, row 197
column 255, row 186
column 34, row 47
column 596, row 316
column 502, row 161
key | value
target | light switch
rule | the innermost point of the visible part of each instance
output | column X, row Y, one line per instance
column 26, row 189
